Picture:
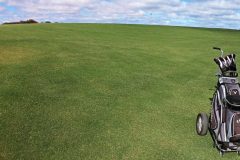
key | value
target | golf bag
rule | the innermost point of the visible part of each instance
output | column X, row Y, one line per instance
column 224, row 120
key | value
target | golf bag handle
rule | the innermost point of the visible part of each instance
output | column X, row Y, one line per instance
column 217, row 48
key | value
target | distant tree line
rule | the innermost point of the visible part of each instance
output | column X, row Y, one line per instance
column 29, row 21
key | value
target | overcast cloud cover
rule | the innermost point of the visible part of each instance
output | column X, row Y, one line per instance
column 197, row 13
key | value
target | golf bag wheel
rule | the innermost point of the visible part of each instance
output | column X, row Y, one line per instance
column 202, row 124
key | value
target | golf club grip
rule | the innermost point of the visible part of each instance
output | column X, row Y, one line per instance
column 217, row 48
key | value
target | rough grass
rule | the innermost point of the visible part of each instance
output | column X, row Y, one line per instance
column 94, row 91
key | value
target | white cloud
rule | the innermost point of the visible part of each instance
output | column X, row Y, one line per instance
column 172, row 12
column 47, row 6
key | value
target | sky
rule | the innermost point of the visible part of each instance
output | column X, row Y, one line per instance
column 194, row 13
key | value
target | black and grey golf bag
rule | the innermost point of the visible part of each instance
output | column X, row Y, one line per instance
column 224, row 120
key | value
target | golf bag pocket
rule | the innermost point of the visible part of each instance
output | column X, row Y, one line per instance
column 236, row 124
column 213, row 123
column 233, row 89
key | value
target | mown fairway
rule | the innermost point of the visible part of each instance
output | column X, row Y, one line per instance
column 94, row 91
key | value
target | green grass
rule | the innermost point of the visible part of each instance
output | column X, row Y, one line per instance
column 94, row 91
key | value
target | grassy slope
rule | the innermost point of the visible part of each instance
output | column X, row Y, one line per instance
column 92, row 91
